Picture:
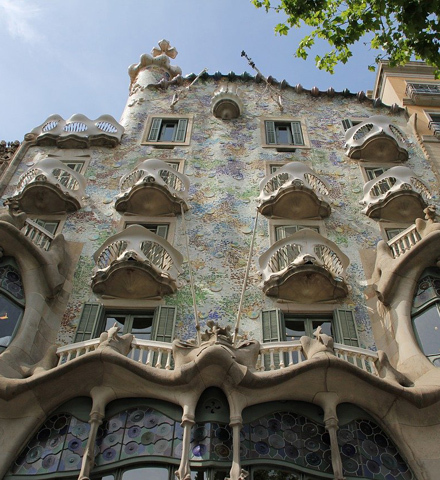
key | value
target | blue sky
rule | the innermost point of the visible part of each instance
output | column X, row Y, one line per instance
column 72, row 56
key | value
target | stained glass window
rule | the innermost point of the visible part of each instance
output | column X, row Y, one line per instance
column 57, row 447
column 11, row 300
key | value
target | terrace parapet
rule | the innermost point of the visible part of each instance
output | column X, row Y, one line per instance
column 376, row 139
column 405, row 256
column 136, row 263
column 48, row 187
column 294, row 191
column 78, row 132
column 397, row 195
column 153, row 188
column 304, row 267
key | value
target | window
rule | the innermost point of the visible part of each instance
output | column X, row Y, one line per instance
column 279, row 327
column 393, row 232
column 168, row 131
column 434, row 121
column 425, row 88
column 382, row 186
column 374, row 172
column 160, row 229
column 283, row 231
column 426, row 314
column 347, row 123
column 283, row 133
column 156, row 324
column 11, row 300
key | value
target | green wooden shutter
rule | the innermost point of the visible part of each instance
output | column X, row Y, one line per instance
column 271, row 138
column 153, row 136
column 297, row 135
column 346, row 328
column 272, row 322
column 180, row 131
column 347, row 123
column 89, row 323
column 164, row 322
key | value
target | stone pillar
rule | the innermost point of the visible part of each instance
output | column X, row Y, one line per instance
column 236, row 472
column 101, row 397
column 88, row 460
column 184, row 471
column 331, row 424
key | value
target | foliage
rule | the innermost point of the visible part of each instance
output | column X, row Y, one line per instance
column 403, row 29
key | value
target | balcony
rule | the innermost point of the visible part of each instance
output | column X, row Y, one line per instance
column 78, row 132
column 304, row 267
column 434, row 126
column 294, row 191
column 396, row 195
column 49, row 187
column 272, row 356
column 153, row 188
column 405, row 256
column 377, row 140
column 136, row 263
column 38, row 235
column 427, row 94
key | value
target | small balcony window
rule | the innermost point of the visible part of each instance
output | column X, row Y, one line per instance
column 434, row 123
column 284, row 134
column 168, row 131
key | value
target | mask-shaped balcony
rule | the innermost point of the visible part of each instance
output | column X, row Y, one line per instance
column 294, row 191
column 78, row 132
column 49, row 187
column 376, row 139
column 396, row 195
column 136, row 263
column 153, row 188
column 304, row 267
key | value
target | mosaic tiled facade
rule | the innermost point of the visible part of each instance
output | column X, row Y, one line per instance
column 373, row 383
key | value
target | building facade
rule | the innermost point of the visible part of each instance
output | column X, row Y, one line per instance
column 237, row 280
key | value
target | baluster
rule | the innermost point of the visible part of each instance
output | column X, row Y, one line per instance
column 168, row 364
column 290, row 357
column 364, row 364
column 281, row 356
column 272, row 362
column 159, row 359
column 150, row 351
column 259, row 364
column 300, row 359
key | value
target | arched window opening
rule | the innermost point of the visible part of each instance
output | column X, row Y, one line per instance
column 426, row 314
column 11, row 300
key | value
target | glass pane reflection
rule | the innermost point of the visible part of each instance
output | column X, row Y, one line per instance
column 149, row 473
column 427, row 326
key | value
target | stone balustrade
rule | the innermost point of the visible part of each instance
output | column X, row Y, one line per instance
column 37, row 234
column 404, row 241
column 272, row 356
column 78, row 132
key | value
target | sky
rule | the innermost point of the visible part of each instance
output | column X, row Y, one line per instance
column 72, row 56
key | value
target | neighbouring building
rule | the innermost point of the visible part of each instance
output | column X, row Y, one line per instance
column 237, row 280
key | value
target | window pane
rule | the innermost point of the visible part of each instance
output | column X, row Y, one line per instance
column 153, row 473
column 142, row 327
column 284, row 135
column 326, row 326
column 295, row 329
column 427, row 326
column 167, row 131
column 9, row 316
column 110, row 320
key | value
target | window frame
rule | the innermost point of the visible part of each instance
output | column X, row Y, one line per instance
column 284, row 147
column 350, row 122
column 20, row 304
column 93, row 320
column 433, row 121
column 143, row 221
column 384, row 227
column 150, row 124
column 274, row 225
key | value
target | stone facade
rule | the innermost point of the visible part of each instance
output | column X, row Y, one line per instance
column 231, row 372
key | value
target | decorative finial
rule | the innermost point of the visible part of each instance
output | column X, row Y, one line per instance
column 164, row 49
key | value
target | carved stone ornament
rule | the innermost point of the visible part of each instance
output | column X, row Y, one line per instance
column 111, row 339
column 322, row 344
column 245, row 352
column 226, row 103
